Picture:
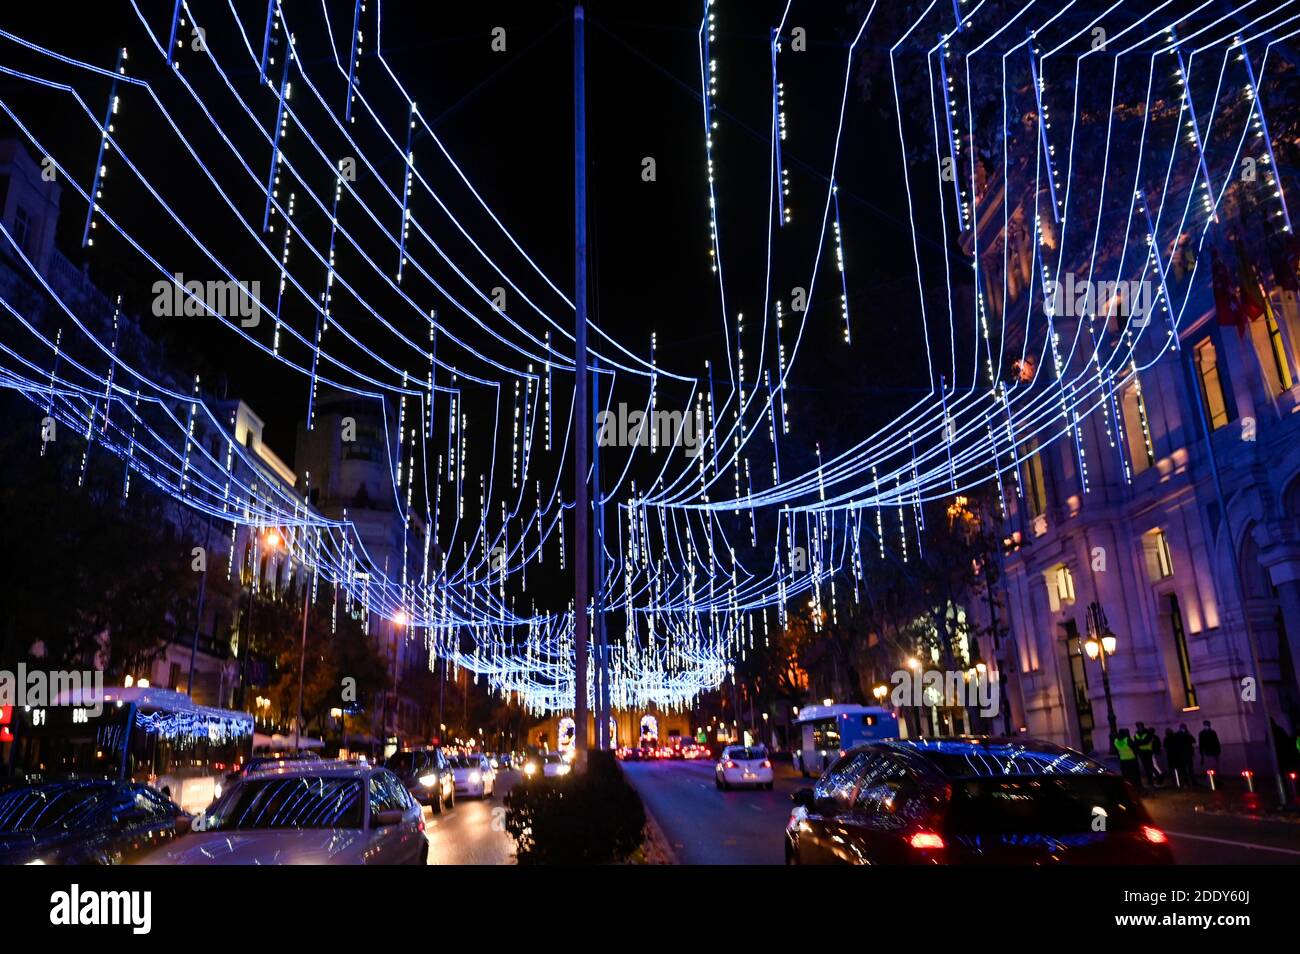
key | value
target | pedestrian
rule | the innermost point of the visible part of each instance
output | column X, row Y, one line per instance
column 1186, row 755
column 1170, row 746
column 1210, row 747
column 1128, row 760
column 1146, row 742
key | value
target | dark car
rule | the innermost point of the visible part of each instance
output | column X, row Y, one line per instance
column 427, row 775
column 85, row 822
column 970, row 801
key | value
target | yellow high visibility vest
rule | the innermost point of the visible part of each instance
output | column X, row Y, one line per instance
column 1124, row 748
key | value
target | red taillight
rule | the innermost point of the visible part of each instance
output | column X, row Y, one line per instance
column 766, row 764
column 728, row 764
column 420, row 827
column 925, row 840
column 1154, row 835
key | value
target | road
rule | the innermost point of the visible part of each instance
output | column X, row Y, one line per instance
column 707, row 827
column 472, row 833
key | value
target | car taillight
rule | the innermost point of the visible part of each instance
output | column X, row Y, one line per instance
column 728, row 764
column 420, row 824
column 1154, row 835
column 766, row 764
column 925, row 840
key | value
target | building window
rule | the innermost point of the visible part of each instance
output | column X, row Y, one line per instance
column 1060, row 587
column 22, row 228
column 1137, row 427
column 1277, row 350
column 1034, row 485
column 1160, row 562
column 1180, row 644
column 1207, row 375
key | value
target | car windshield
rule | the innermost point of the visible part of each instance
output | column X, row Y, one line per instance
column 747, row 755
column 1056, row 805
column 552, row 758
column 280, row 803
column 43, row 809
column 465, row 761
column 404, row 763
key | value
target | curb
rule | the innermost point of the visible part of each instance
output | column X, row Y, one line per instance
column 656, row 839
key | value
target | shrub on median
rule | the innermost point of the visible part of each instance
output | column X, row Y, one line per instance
column 589, row 819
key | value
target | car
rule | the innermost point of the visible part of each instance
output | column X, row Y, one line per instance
column 427, row 775
column 337, row 813
column 85, row 822
column 970, row 800
column 474, row 775
column 502, row 762
column 741, row 766
column 545, row 765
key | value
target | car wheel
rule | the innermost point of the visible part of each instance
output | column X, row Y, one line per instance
column 424, row 855
column 717, row 783
column 451, row 800
column 437, row 804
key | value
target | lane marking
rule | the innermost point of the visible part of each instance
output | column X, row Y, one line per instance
column 1227, row 841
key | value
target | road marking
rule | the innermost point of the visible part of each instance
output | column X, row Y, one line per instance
column 1239, row 844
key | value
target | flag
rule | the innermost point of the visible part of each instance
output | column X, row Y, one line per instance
column 1226, row 307
column 1254, row 304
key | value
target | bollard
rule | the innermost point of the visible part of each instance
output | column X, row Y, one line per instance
column 1210, row 774
column 1178, row 782
column 1249, row 776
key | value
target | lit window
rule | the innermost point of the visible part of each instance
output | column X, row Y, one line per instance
column 1060, row 587
column 1160, row 562
column 1034, row 485
column 1137, row 428
column 1207, row 373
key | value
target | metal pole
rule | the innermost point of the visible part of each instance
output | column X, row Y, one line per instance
column 598, row 581
column 581, row 517
column 302, row 661
column 198, row 613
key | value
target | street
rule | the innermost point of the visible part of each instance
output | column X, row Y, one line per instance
column 705, row 826
column 472, row 833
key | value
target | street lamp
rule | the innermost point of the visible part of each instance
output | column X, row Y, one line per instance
column 1099, row 645
column 880, row 692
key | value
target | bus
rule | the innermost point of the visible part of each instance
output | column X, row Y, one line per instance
column 824, row 733
column 156, row 736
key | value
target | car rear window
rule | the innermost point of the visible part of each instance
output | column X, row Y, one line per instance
column 1054, row 805
column 747, row 755
column 278, row 803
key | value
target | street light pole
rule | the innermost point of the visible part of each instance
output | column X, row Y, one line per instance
column 581, row 517
column 1099, row 635
column 302, row 662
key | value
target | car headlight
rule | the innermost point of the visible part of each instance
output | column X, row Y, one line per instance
column 530, row 769
column 495, row 763
column 562, row 769
column 36, row 862
column 428, row 781
column 475, row 777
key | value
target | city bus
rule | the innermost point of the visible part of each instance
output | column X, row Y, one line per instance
column 823, row 733
column 156, row 736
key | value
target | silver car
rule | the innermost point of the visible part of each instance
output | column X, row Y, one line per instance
column 331, row 813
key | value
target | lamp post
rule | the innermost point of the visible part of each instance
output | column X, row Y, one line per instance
column 1099, row 645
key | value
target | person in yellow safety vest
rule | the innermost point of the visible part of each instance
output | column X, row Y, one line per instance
column 1128, row 761
column 1148, row 746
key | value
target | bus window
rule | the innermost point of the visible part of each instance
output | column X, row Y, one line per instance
column 826, row 736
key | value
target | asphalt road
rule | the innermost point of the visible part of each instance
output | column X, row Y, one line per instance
column 472, row 833
column 709, row 827
column 705, row 826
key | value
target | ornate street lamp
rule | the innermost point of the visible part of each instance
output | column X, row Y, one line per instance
column 1100, row 645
